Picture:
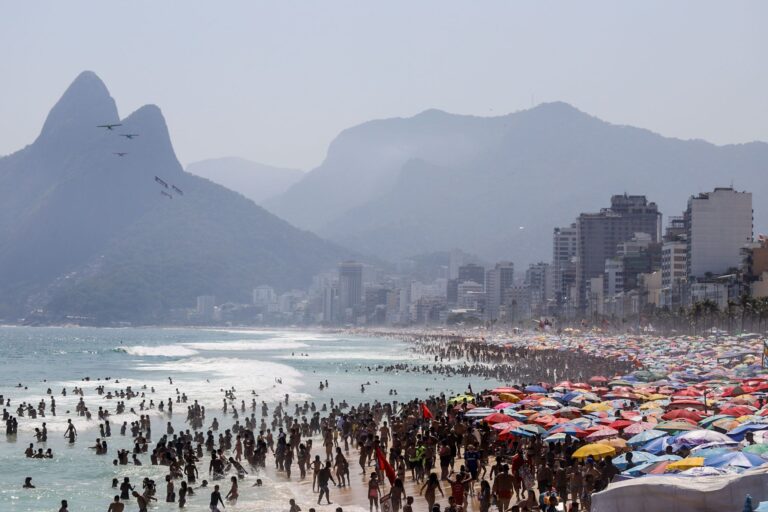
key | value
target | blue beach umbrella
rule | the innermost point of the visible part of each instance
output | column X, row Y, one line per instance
column 646, row 437
column 735, row 460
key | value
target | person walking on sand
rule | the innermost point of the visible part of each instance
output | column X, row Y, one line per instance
column 431, row 485
column 374, row 492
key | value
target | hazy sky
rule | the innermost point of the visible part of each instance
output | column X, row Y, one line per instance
column 276, row 81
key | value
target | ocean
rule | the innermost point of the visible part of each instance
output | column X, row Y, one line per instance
column 201, row 362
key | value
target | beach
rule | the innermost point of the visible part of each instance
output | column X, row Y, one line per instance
column 566, row 406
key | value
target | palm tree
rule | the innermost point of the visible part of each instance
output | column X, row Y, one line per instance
column 746, row 303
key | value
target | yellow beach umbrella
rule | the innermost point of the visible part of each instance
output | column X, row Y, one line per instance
column 597, row 407
column 687, row 463
column 509, row 397
column 596, row 450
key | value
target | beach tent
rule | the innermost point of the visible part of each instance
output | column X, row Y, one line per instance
column 672, row 493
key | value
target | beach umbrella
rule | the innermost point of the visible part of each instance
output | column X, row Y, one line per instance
column 637, row 458
column 698, row 437
column 497, row 417
column 594, row 450
column 533, row 429
column 509, row 397
column 638, row 427
column 658, row 445
column 757, row 449
column 675, row 426
column 501, row 405
column 646, row 437
column 556, row 437
column 603, row 433
column 683, row 414
column 480, row 412
column 507, row 389
column 567, row 428
column 706, row 422
column 598, row 379
column 707, row 452
column 597, row 407
column 616, row 442
column 687, row 463
column 735, row 459
column 737, row 433
column 725, row 424
column 620, row 424
column 535, row 389
column 503, row 426
column 460, row 399
column 656, row 468
column 668, row 456
column 738, row 410
column 568, row 412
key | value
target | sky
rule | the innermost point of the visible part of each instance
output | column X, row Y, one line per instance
column 276, row 81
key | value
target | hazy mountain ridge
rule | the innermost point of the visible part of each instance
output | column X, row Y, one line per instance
column 255, row 181
column 86, row 232
column 474, row 182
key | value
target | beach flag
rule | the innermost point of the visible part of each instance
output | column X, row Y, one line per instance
column 385, row 466
column 426, row 412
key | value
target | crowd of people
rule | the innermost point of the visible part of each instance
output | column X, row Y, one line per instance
column 432, row 453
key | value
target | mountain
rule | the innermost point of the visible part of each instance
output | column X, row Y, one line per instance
column 255, row 181
column 85, row 232
column 497, row 186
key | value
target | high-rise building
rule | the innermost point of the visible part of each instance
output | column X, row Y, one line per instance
column 350, row 285
column 264, row 297
column 538, row 280
column 564, row 252
column 718, row 225
column 330, row 303
column 599, row 235
column 472, row 272
column 497, row 281
column 455, row 260
column 206, row 304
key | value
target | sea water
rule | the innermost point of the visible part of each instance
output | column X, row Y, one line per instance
column 201, row 362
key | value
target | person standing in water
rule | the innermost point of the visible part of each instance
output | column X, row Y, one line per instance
column 216, row 499
column 71, row 432
column 233, row 494
column 116, row 505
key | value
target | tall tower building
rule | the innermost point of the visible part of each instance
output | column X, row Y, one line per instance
column 350, row 285
column 564, row 253
column 718, row 225
column 599, row 235
column 498, row 280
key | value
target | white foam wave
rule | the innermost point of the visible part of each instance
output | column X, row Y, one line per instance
column 245, row 345
column 158, row 350
column 346, row 356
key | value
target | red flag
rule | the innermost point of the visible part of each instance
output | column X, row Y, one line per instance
column 386, row 466
column 425, row 412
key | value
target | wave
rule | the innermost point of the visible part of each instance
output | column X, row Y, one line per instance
column 346, row 356
column 157, row 351
column 245, row 345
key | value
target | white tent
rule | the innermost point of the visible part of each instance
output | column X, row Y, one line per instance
column 683, row 494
